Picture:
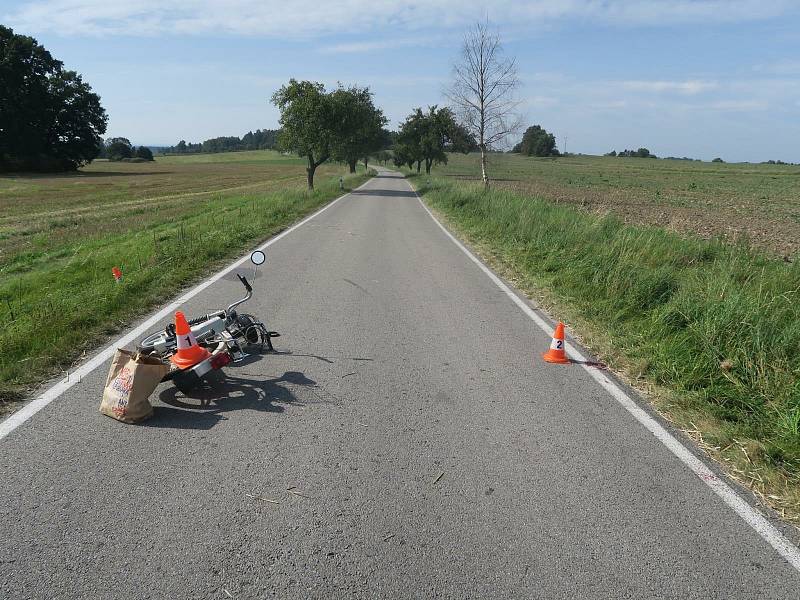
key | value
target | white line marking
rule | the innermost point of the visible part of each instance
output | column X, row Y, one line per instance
column 750, row 515
column 30, row 409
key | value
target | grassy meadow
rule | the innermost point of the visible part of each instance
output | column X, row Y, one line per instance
column 755, row 204
column 163, row 223
column 710, row 329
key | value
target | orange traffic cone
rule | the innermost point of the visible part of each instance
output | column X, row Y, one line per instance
column 557, row 353
column 189, row 353
column 117, row 274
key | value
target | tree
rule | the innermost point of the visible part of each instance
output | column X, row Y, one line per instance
column 403, row 155
column 718, row 160
column 461, row 140
column 144, row 152
column 640, row 153
column 309, row 123
column 376, row 145
column 360, row 125
column 537, row 142
column 118, row 148
column 49, row 117
column 483, row 91
column 426, row 136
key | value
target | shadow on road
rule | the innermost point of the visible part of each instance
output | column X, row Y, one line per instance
column 205, row 406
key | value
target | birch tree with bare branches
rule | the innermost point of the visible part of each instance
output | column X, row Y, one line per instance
column 483, row 91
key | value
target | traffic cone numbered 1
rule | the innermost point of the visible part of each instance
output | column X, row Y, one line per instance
column 189, row 352
column 557, row 352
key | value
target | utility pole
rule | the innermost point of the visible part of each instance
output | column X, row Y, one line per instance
column 565, row 144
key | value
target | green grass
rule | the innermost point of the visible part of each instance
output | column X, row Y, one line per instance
column 57, row 295
column 714, row 327
column 757, row 204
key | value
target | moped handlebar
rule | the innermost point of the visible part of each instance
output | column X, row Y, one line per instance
column 246, row 285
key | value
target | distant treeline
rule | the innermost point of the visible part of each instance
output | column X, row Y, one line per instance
column 260, row 139
column 640, row 153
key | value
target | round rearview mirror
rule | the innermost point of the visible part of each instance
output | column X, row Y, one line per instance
column 258, row 257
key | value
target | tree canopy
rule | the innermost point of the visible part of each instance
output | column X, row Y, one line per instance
column 360, row 125
column 427, row 136
column 343, row 124
column 640, row 153
column 537, row 142
column 118, row 148
column 144, row 153
column 50, row 119
column 308, row 122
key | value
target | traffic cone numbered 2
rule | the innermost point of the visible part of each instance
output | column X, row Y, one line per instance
column 557, row 353
column 189, row 352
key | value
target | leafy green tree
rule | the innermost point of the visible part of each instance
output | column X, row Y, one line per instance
column 144, row 152
column 49, row 117
column 377, row 142
column 461, row 140
column 640, row 153
column 360, row 125
column 403, row 155
column 118, row 148
column 309, row 123
column 427, row 135
column 537, row 142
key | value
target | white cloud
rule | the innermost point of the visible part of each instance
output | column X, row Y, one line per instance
column 304, row 18
column 688, row 88
column 367, row 46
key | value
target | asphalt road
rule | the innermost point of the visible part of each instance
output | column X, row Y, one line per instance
column 429, row 452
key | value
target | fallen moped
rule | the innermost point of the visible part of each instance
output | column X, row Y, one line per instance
column 223, row 336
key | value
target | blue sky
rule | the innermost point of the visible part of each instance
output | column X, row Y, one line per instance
column 700, row 78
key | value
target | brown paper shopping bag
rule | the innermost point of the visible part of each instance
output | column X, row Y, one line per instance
column 131, row 380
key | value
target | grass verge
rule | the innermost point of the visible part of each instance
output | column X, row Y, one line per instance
column 59, row 303
column 711, row 330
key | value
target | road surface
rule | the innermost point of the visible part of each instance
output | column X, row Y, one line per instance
column 411, row 440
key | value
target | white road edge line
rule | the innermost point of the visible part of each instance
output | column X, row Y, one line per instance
column 751, row 516
column 41, row 401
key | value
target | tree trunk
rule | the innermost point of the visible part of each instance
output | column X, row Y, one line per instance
column 312, row 166
column 484, row 177
column 366, row 160
column 352, row 165
column 419, row 164
column 310, row 177
column 428, row 166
